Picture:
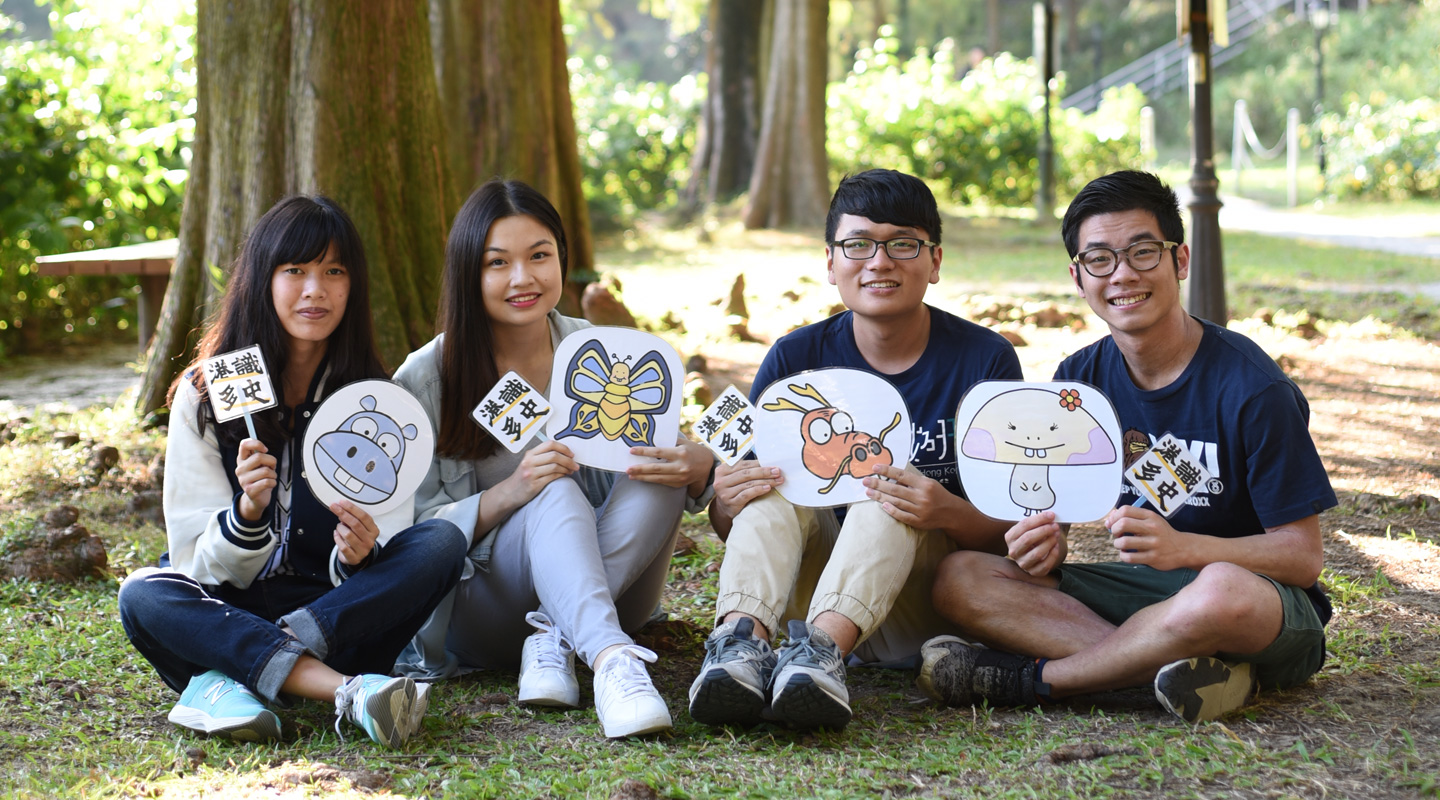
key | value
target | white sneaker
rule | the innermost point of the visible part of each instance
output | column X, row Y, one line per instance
column 625, row 699
column 547, row 666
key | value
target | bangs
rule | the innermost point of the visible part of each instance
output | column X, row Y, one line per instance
column 307, row 238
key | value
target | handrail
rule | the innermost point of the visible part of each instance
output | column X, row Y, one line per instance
column 1167, row 67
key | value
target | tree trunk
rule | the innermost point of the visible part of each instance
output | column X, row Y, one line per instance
column 312, row 96
column 725, row 153
column 505, row 90
column 992, row 27
column 791, row 184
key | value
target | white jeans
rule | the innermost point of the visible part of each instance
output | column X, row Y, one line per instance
column 598, row 573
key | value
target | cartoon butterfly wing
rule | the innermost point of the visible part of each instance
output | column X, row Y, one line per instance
column 585, row 378
column 650, row 392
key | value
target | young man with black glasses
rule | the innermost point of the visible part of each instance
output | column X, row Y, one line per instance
column 857, row 587
column 1209, row 604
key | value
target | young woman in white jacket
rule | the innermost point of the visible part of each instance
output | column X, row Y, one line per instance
column 564, row 559
column 267, row 592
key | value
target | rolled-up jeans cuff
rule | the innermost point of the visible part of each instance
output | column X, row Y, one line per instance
column 306, row 628
column 747, row 604
column 850, row 608
column 277, row 669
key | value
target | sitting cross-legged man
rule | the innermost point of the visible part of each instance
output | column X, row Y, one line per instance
column 1208, row 605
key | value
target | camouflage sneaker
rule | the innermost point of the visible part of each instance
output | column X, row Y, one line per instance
column 1198, row 689
column 957, row 673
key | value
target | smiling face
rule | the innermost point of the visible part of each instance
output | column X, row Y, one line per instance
column 880, row 287
column 522, row 277
column 310, row 298
column 1130, row 301
column 1035, row 426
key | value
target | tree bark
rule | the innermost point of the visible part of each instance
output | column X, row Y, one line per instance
column 312, row 96
column 505, row 90
column 790, row 185
column 992, row 27
column 725, row 153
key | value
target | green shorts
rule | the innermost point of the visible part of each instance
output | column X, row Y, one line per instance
column 1117, row 591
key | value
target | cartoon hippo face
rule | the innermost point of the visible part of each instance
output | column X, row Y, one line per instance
column 361, row 458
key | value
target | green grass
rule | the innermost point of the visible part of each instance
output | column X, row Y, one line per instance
column 85, row 715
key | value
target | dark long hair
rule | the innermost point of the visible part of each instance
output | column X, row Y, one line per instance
column 296, row 230
column 467, row 359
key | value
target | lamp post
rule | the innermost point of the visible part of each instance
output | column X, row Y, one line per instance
column 1206, row 298
column 1320, row 19
column 1044, row 36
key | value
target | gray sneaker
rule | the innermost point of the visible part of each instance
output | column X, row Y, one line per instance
column 733, row 685
column 809, row 686
column 1198, row 689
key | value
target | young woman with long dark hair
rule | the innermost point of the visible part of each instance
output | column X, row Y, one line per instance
column 268, row 592
column 565, row 559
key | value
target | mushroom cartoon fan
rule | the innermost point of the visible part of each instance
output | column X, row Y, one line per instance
column 1031, row 447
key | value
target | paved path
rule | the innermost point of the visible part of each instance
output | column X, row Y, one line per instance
column 1406, row 234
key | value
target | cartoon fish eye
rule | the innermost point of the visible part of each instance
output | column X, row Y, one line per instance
column 365, row 427
column 390, row 443
column 1010, row 425
column 820, row 431
column 842, row 422
column 1053, row 427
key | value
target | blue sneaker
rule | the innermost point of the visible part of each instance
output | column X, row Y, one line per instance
column 214, row 704
column 384, row 707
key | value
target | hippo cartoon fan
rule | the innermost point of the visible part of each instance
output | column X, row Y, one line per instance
column 369, row 443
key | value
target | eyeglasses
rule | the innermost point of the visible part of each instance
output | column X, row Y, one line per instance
column 1142, row 256
column 902, row 249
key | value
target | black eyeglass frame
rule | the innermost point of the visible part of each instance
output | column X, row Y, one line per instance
column 876, row 244
column 1165, row 246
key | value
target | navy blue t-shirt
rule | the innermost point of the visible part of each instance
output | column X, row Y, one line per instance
column 1239, row 416
column 958, row 355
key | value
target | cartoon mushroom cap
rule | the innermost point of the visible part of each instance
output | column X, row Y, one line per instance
column 1037, row 426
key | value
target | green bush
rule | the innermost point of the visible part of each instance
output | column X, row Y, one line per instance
column 93, row 126
column 1392, row 152
column 635, row 139
column 976, row 138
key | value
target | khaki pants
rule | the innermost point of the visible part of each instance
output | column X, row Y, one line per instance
column 785, row 562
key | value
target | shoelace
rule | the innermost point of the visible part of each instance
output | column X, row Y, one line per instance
column 626, row 670
column 805, row 651
column 345, row 698
column 555, row 649
column 733, row 647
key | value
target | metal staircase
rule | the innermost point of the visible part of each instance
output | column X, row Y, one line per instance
column 1167, row 67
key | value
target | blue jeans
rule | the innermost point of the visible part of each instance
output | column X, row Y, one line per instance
column 184, row 628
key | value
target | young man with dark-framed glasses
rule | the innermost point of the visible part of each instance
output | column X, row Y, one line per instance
column 854, row 583
column 1206, row 605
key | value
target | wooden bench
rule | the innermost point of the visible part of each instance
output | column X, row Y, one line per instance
column 151, row 261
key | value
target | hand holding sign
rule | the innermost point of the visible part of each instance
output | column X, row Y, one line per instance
column 238, row 385
column 727, row 427
column 1166, row 475
column 513, row 412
